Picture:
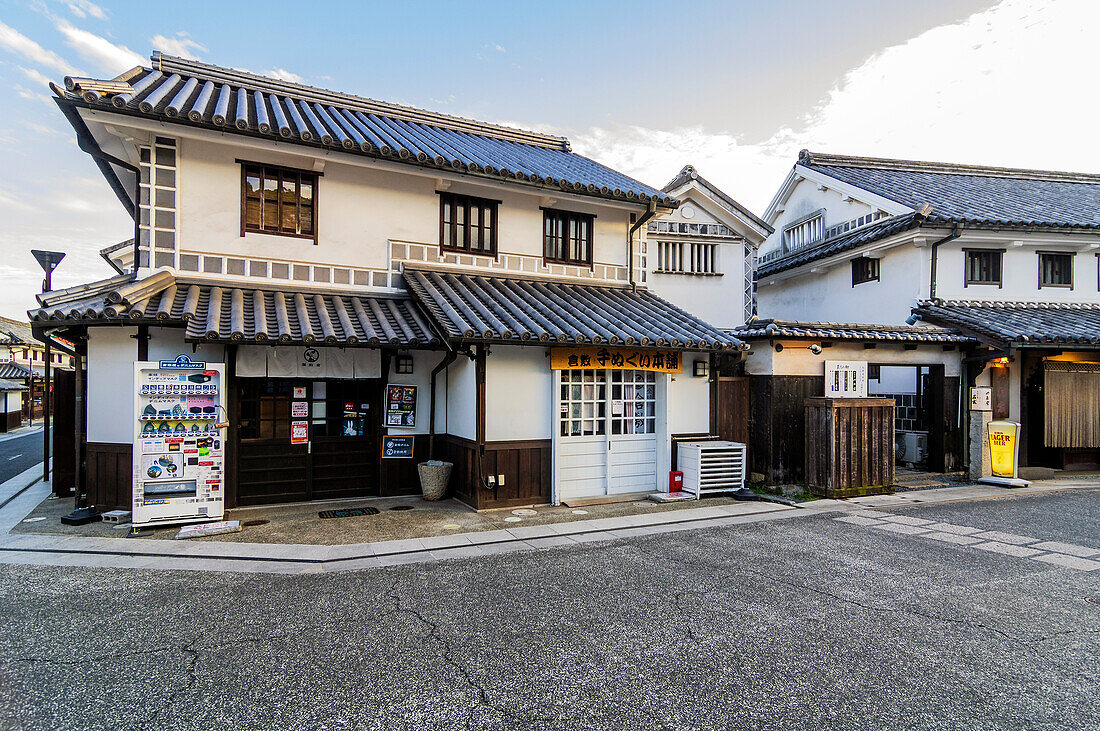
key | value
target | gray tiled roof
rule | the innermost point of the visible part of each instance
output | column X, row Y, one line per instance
column 848, row 331
column 14, row 370
column 972, row 194
column 14, row 332
column 1019, row 323
column 510, row 310
column 228, row 313
column 851, row 240
column 185, row 92
column 7, row 384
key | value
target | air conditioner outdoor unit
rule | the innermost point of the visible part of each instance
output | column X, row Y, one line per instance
column 712, row 467
column 912, row 447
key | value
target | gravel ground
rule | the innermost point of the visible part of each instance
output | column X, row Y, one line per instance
column 808, row 623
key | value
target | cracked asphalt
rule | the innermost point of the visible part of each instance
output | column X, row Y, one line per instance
column 801, row 623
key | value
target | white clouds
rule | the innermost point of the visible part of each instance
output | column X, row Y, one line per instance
column 84, row 8
column 1006, row 86
column 36, row 76
column 181, row 45
column 15, row 42
column 284, row 75
column 112, row 58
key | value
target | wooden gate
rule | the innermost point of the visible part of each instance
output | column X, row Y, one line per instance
column 729, row 406
column 849, row 446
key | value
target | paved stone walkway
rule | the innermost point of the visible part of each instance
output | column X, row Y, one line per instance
column 121, row 552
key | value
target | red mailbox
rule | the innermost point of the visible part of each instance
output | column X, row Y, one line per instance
column 675, row 481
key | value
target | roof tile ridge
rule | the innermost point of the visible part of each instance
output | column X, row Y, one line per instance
column 991, row 171
column 255, row 82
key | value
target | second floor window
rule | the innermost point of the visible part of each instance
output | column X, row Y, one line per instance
column 278, row 201
column 864, row 269
column 567, row 237
column 1055, row 269
column 467, row 224
column 983, row 267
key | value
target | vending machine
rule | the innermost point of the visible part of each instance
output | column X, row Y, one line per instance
column 179, row 441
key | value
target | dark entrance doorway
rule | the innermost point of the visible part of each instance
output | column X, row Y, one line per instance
column 340, row 454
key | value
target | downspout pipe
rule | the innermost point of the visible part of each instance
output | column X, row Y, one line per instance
column 650, row 212
column 448, row 358
column 955, row 233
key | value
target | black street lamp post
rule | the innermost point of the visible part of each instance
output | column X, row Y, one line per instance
column 48, row 260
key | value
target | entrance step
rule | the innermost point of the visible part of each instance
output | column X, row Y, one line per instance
column 671, row 497
column 622, row 497
column 1037, row 473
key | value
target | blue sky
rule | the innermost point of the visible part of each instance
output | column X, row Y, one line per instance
column 735, row 88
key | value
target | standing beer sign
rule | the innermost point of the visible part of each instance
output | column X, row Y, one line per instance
column 1004, row 454
column 846, row 378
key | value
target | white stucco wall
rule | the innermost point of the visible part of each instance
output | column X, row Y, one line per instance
column 111, row 355
column 421, row 377
column 13, row 401
column 359, row 210
column 1020, row 269
column 167, row 343
column 689, row 400
column 718, row 300
column 460, row 416
column 519, row 394
column 797, row 360
column 827, row 295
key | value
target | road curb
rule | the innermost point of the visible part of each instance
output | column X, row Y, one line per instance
column 15, row 486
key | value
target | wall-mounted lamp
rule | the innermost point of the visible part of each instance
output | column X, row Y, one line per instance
column 403, row 364
column 813, row 348
column 702, row 369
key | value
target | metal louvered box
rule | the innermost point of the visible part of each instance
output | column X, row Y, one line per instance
column 712, row 467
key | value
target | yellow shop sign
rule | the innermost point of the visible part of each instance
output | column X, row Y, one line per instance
column 1004, row 447
column 658, row 361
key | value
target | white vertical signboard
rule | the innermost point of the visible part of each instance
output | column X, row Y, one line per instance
column 179, row 441
column 846, row 378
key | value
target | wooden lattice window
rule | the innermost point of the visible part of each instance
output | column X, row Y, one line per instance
column 567, row 237
column 467, row 224
column 278, row 201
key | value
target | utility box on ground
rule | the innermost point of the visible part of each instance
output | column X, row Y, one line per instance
column 849, row 446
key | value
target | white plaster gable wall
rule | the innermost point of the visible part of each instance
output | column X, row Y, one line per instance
column 359, row 210
column 797, row 360
column 805, row 198
column 1020, row 269
column 717, row 300
column 519, row 395
column 827, row 295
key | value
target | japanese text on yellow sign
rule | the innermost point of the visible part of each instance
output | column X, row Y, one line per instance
column 658, row 361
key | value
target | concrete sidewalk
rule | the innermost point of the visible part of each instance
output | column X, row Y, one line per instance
column 297, row 558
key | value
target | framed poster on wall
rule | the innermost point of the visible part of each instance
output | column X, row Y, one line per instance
column 400, row 405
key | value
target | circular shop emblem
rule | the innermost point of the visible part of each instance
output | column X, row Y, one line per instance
column 311, row 355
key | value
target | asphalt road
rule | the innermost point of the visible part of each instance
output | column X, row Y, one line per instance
column 803, row 623
column 20, row 453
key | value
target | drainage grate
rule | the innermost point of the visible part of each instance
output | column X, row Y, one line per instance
column 402, row 507
column 1093, row 599
column 254, row 523
column 349, row 513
